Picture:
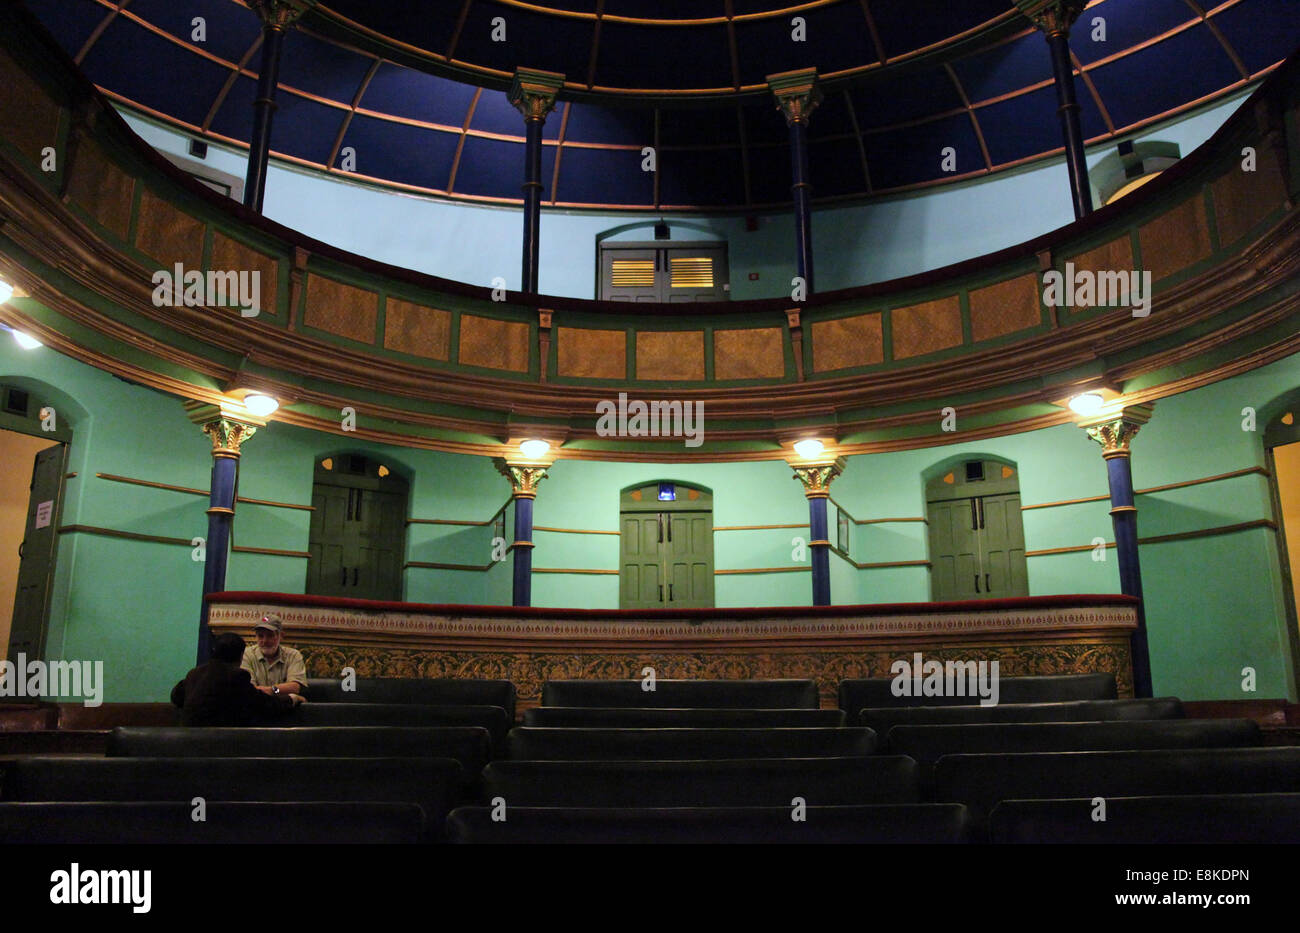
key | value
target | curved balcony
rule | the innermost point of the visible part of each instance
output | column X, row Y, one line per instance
column 89, row 214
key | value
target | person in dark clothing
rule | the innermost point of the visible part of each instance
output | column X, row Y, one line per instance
column 221, row 693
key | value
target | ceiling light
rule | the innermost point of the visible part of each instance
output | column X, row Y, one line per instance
column 1089, row 403
column 809, row 448
column 260, row 405
column 534, row 450
column 6, row 291
column 26, row 341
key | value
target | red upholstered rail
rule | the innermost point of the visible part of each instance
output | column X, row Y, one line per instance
column 536, row 612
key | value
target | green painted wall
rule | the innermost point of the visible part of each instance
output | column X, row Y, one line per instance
column 1215, row 604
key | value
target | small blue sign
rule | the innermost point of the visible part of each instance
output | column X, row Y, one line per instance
column 667, row 492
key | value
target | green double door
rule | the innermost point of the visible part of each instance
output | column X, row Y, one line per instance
column 358, row 531
column 977, row 540
column 666, row 548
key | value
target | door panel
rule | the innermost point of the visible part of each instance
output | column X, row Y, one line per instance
column 977, row 542
column 36, row 566
column 682, row 562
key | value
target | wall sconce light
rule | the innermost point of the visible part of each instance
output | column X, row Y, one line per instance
column 259, row 404
column 809, row 448
column 534, row 449
column 1088, row 403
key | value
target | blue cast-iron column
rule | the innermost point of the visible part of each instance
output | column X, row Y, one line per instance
column 1115, row 433
column 524, row 478
column 1054, row 18
column 796, row 97
column 227, row 436
column 533, row 94
column 277, row 16
column 816, row 477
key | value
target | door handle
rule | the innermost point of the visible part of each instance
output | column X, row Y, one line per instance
column 354, row 576
column 987, row 588
column 977, row 583
column 659, row 521
column 20, row 548
column 668, row 520
column 981, row 501
column 670, row 592
column 344, row 581
column 974, row 515
column 661, row 592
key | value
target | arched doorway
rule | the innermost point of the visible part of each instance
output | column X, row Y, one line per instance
column 977, row 540
column 666, row 547
column 357, row 540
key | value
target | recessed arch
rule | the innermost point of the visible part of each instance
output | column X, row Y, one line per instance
column 976, row 536
column 357, row 541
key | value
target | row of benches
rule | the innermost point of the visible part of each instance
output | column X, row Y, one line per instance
column 474, row 747
column 739, row 695
column 437, row 785
column 1234, row 818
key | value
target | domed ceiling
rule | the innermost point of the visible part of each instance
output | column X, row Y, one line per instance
column 417, row 89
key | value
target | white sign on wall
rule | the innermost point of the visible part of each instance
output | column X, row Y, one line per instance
column 44, row 512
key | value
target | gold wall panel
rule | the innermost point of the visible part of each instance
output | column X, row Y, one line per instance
column 231, row 255
column 341, row 309
column 1243, row 199
column 591, row 354
column 752, row 353
column 1005, row 307
column 415, row 329
column 670, row 354
column 1114, row 255
column 847, row 341
column 925, row 328
column 101, row 189
column 167, row 233
column 1175, row 239
column 29, row 119
column 493, row 344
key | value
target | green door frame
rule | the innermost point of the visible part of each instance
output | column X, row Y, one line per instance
column 1277, row 434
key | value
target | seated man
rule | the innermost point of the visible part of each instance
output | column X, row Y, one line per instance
column 219, row 693
column 275, row 668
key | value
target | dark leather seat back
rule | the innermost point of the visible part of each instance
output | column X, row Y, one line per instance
column 1194, row 819
column 492, row 718
column 927, row 744
column 594, row 717
column 556, row 744
column 470, row 745
column 732, row 694
column 877, row 692
column 760, row 782
column 119, row 823
column 905, row 823
column 981, row 781
column 432, row 783
column 432, row 691
column 885, row 718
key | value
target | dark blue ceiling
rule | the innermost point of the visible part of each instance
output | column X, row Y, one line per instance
column 416, row 89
